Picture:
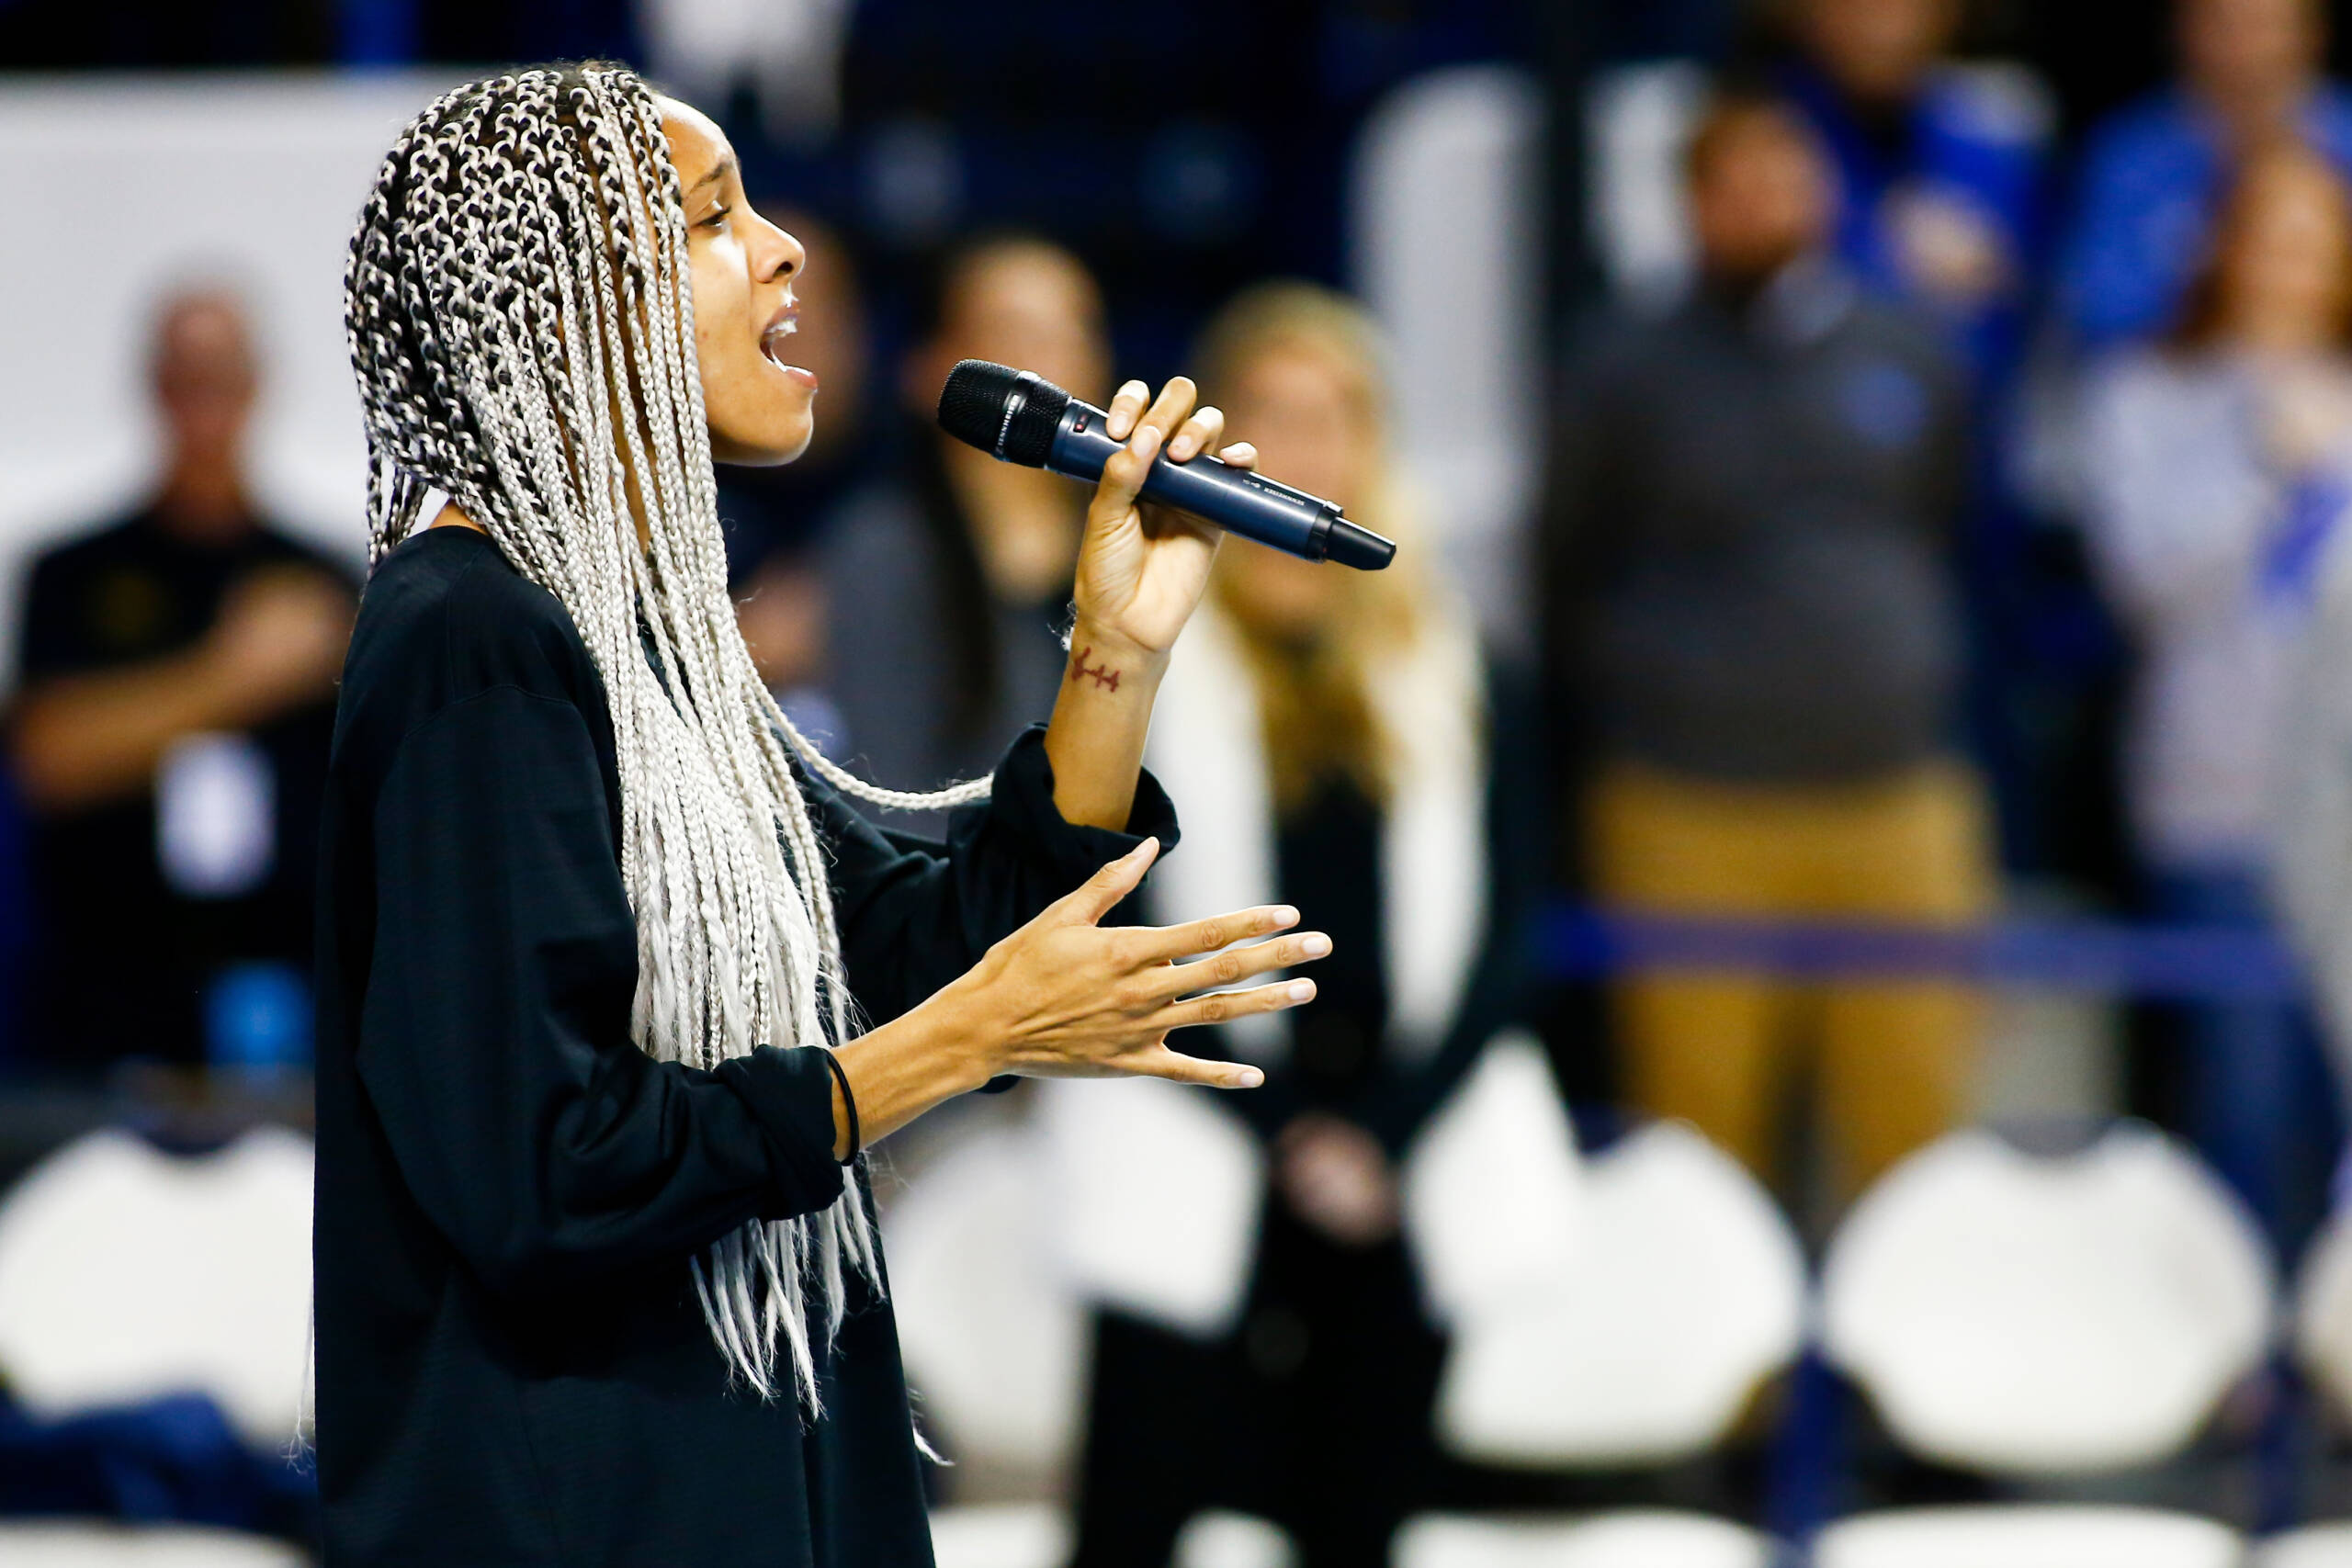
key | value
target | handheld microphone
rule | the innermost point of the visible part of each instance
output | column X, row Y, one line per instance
column 1020, row 417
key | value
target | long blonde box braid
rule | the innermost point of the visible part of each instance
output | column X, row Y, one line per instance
column 520, row 318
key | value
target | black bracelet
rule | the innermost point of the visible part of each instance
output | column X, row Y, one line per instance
column 840, row 1077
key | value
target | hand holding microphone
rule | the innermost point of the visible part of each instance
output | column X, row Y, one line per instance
column 1019, row 417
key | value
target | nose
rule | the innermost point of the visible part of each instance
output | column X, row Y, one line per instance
column 782, row 258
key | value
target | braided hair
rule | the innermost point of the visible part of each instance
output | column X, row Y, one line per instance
column 519, row 312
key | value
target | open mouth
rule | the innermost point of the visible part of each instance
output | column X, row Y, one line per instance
column 771, row 341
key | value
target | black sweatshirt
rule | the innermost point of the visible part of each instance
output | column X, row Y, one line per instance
column 512, row 1368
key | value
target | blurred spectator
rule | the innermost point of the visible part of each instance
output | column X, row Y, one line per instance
column 1941, row 168
column 2153, row 175
column 1329, row 733
column 786, row 52
column 1748, row 583
column 946, row 589
column 2220, row 472
column 171, row 737
column 1940, row 164
column 16, row 921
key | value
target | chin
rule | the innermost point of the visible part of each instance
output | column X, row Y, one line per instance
column 762, row 449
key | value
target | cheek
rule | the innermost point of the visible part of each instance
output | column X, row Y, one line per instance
column 722, row 304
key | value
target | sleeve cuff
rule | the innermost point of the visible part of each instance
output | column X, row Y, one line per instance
column 1022, row 805
column 790, row 1091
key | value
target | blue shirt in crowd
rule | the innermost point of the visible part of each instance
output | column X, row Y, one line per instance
column 1973, row 140
column 2151, row 179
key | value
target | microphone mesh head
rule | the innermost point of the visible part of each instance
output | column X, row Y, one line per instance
column 972, row 409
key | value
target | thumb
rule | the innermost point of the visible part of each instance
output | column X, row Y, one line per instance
column 1100, row 893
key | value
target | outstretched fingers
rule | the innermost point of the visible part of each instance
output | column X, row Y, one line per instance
column 1224, row 1007
column 1100, row 894
column 1160, row 1062
column 1237, row 964
column 1196, row 936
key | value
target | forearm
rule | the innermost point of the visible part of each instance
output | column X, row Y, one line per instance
column 83, row 739
column 1101, row 717
column 916, row 1061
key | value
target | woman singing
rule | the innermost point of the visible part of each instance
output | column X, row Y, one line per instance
column 612, row 991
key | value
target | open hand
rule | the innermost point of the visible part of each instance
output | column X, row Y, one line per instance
column 1065, row 998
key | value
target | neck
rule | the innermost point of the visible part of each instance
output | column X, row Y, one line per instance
column 204, row 498
column 450, row 517
column 1739, row 288
column 1883, row 105
column 2250, row 113
column 2282, row 340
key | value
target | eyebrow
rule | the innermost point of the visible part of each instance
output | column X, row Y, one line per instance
column 717, row 170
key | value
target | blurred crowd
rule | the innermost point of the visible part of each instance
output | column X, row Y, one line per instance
column 1960, row 540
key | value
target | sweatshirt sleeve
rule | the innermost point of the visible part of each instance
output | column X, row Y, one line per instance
column 494, row 1042
column 915, row 914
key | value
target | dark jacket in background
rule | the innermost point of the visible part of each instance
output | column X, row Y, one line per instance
column 123, row 957
column 927, row 667
column 512, row 1368
column 1746, row 541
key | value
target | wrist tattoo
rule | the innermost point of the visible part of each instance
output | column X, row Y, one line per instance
column 1102, row 674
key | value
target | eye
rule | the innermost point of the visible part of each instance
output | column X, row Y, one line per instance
column 717, row 219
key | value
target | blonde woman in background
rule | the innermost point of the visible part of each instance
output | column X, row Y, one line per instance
column 1330, row 735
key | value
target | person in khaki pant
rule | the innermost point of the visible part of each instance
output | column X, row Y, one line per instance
column 1746, row 597
column 1718, row 1049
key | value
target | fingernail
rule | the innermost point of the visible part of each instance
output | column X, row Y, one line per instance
column 1316, row 947
column 1143, row 849
column 1285, row 915
column 1248, row 1078
column 1147, row 441
column 1185, row 446
column 1300, row 991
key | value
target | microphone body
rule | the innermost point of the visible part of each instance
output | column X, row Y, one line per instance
column 1021, row 418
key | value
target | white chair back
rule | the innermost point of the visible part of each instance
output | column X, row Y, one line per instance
column 2318, row 1546
column 126, row 1273
column 1218, row 1539
column 993, row 1342
column 1493, row 1190
column 2023, row 1315
column 1000, row 1535
column 1685, row 1290
column 76, row 1543
column 2028, row 1537
column 1631, row 1539
column 1153, row 1200
column 2322, row 1326
column 1038, row 1535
